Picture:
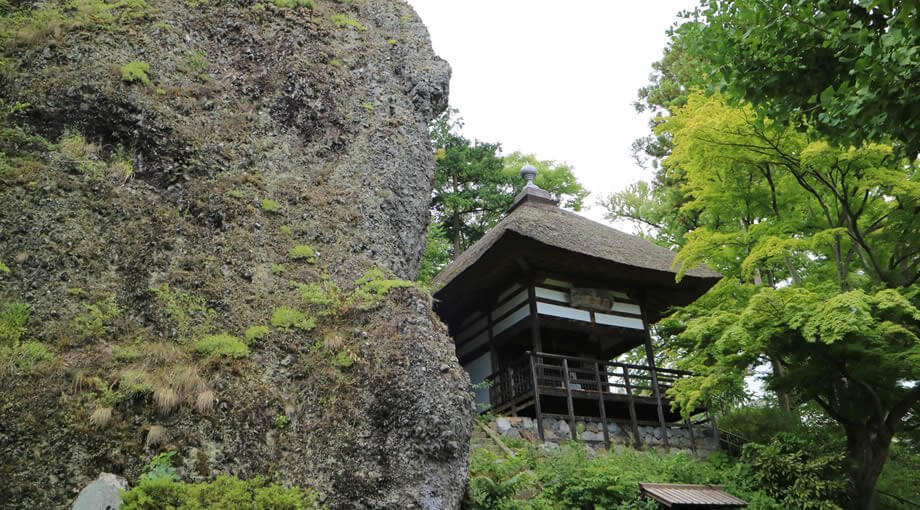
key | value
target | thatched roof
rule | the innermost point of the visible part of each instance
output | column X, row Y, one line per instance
column 542, row 221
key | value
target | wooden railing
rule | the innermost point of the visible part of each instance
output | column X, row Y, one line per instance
column 582, row 374
column 539, row 373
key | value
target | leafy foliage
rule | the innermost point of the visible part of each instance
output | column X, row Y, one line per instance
column 135, row 71
column 797, row 476
column 474, row 186
column 303, row 252
column 225, row 492
column 222, row 345
column 848, row 70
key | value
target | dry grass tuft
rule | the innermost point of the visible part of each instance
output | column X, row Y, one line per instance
column 160, row 354
column 205, row 402
column 189, row 382
column 334, row 342
column 101, row 418
column 166, row 399
column 155, row 436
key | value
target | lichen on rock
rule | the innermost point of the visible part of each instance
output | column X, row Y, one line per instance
column 133, row 226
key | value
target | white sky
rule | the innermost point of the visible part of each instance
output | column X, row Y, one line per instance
column 554, row 78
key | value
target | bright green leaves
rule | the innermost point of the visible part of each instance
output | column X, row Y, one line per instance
column 848, row 71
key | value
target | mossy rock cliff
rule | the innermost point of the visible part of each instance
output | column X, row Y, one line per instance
column 209, row 210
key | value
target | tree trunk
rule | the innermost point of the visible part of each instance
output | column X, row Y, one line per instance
column 785, row 403
column 867, row 446
column 456, row 235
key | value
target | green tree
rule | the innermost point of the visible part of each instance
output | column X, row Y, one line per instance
column 846, row 68
column 474, row 186
column 820, row 247
column 471, row 189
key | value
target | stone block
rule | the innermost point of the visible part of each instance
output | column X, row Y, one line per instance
column 103, row 494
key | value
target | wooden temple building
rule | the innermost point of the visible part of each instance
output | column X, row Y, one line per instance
column 543, row 305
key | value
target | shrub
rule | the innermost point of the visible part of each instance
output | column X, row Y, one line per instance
column 286, row 318
column 256, row 333
column 222, row 345
column 24, row 356
column 135, row 71
column 225, row 492
column 342, row 20
column 286, row 230
column 791, row 470
column 290, row 4
column 270, row 206
column 3, row 268
column 277, row 269
column 302, row 252
column 13, row 317
column 343, row 360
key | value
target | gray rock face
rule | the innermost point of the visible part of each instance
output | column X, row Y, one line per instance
column 254, row 129
column 102, row 494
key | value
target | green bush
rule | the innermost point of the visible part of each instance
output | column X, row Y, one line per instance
column 796, row 473
column 224, row 493
column 24, row 356
column 285, row 318
column 342, row 20
column 303, row 252
column 270, row 206
column 135, row 71
column 290, row 4
column 256, row 333
column 13, row 317
column 222, row 345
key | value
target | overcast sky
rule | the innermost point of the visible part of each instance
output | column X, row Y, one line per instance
column 553, row 78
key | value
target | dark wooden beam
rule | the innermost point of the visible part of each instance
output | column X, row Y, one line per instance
column 653, row 370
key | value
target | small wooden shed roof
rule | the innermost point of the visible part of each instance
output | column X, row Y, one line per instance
column 673, row 495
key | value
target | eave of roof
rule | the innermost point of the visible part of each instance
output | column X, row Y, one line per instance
column 548, row 224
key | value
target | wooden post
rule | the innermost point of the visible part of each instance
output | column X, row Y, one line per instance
column 632, row 410
column 509, row 387
column 568, row 397
column 601, row 395
column 534, row 320
column 536, row 396
column 650, row 357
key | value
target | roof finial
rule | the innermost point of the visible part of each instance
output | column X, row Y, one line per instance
column 529, row 173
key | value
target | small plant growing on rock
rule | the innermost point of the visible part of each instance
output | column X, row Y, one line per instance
column 343, row 360
column 282, row 421
column 135, row 71
column 160, row 467
column 222, row 345
column 277, row 269
column 271, row 206
column 256, row 333
column 303, row 252
column 155, row 436
column 286, row 230
column 285, row 318
column 3, row 268
column 101, row 418
column 342, row 20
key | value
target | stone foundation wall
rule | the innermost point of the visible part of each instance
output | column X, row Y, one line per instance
column 558, row 430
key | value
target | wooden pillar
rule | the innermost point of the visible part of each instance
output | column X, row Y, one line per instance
column 537, row 343
column 536, row 396
column 601, row 400
column 568, row 397
column 653, row 370
column 650, row 357
column 637, row 443
column 535, row 338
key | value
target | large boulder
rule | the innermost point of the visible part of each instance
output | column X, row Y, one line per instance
column 207, row 207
